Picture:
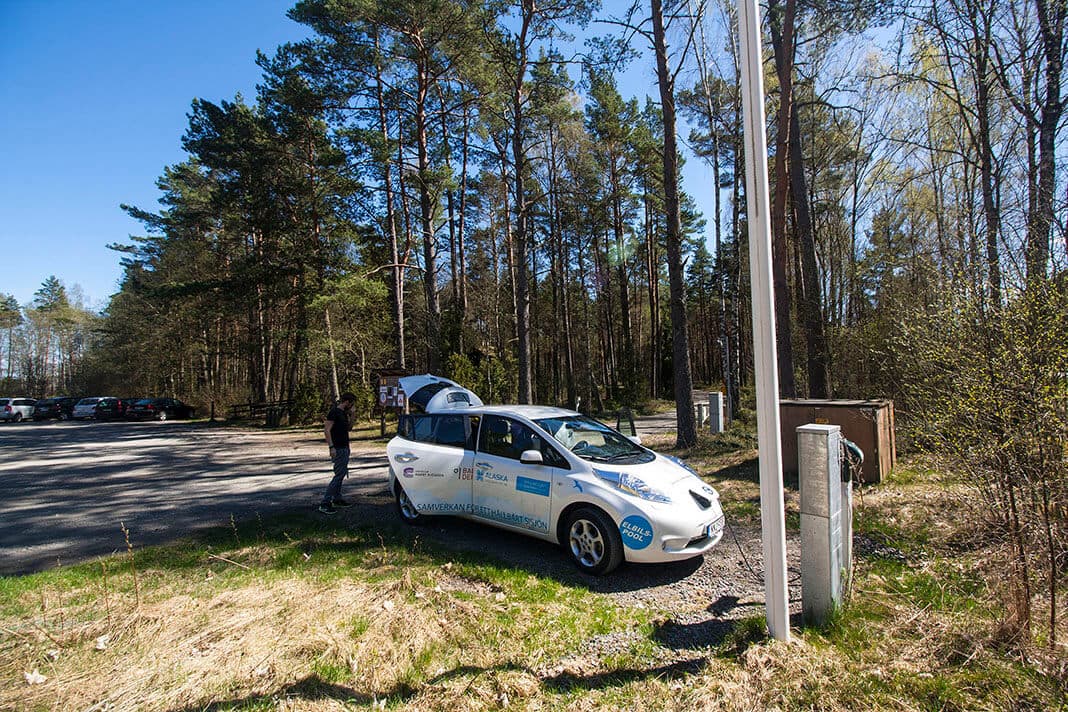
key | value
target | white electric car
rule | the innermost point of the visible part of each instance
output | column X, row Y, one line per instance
column 548, row 472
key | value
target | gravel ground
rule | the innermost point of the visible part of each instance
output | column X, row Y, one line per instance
column 66, row 487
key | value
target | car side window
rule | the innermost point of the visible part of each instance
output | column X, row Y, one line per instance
column 450, row 430
column 509, row 438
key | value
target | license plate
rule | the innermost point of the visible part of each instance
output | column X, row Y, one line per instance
column 714, row 528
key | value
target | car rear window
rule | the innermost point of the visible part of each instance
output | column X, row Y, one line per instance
column 418, row 400
column 445, row 429
column 46, row 401
column 88, row 401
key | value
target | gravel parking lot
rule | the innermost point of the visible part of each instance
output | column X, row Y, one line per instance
column 66, row 489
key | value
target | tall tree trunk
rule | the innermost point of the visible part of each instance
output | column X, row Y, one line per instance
column 522, row 208
column 426, row 220
column 1051, row 21
column 461, row 232
column 333, row 356
column 781, row 22
column 652, row 272
column 629, row 375
column 397, row 287
column 687, row 426
column 815, row 333
column 981, row 58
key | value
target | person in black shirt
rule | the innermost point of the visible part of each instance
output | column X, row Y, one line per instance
column 336, row 428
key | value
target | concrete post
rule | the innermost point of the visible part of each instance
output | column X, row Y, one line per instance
column 702, row 413
column 715, row 421
column 819, row 459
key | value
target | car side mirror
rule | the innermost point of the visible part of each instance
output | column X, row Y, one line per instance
column 636, row 439
column 531, row 457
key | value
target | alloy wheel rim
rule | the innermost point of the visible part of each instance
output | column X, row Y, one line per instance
column 587, row 544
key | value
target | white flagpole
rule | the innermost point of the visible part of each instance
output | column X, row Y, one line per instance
column 772, row 516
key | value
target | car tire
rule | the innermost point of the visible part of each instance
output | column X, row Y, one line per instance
column 593, row 541
column 18, row 417
column 407, row 511
column 162, row 415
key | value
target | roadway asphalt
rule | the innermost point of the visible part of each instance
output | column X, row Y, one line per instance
column 67, row 488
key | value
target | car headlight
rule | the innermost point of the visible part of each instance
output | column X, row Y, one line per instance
column 632, row 485
column 682, row 464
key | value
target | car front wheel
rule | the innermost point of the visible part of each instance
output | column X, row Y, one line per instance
column 405, row 507
column 594, row 543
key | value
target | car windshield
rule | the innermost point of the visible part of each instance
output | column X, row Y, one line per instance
column 594, row 441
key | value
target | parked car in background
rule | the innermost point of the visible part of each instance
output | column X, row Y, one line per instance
column 85, row 409
column 159, row 409
column 111, row 408
column 16, row 409
column 58, row 408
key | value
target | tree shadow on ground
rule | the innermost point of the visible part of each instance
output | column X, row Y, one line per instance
column 568, row 682
column 749, row 471
column 313, row 688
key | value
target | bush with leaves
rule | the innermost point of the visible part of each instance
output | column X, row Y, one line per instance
column 987, row 391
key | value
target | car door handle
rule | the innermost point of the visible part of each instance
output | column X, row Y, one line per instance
column 406, row 457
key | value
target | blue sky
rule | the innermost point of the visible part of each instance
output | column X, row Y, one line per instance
column 93, row 103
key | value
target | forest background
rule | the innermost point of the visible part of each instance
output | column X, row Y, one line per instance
column 458, row 186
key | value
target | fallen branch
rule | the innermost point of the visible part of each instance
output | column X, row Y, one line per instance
column 223, row 558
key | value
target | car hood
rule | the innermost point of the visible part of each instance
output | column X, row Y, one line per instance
column 663, row 473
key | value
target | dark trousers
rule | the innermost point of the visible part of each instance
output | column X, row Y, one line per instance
column 341, row 469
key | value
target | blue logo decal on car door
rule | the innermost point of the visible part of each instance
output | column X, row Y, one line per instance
column 526, row 484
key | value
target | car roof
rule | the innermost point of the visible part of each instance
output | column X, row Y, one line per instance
column 532, row 412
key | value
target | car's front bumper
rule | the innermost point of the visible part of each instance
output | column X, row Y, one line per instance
column 672, row 538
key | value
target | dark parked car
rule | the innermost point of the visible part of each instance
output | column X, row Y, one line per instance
column 111, row 408
column 58, row 408
column 159, row 409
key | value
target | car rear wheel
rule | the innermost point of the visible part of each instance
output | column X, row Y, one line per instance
column 18, row 417
column 162, row 415
column 405, row 507
column 593, row 542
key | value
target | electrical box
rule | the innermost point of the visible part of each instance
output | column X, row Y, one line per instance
column 715, row 421
column 868, row 423
column 823, row 523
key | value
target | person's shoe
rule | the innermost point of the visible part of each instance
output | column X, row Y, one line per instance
column 327, row 508
column 339, row 502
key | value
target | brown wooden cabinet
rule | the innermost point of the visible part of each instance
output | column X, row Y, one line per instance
column 868, row 423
